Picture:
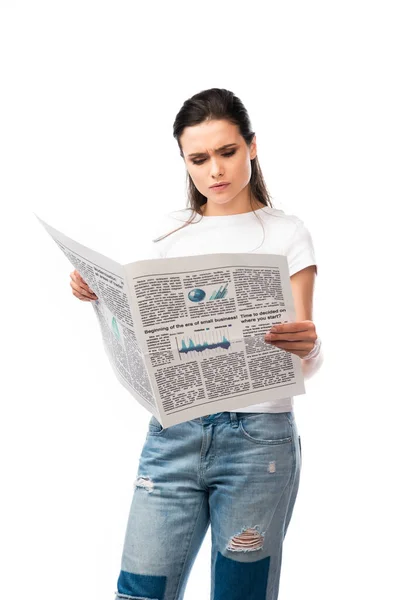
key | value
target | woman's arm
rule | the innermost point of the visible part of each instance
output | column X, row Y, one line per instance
column 300, row 337
column 302, row 284
column 311, row 365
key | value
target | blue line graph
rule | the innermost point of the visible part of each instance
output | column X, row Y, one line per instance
column 202, row 344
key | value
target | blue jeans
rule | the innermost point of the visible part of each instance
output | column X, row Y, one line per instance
column 238, row 472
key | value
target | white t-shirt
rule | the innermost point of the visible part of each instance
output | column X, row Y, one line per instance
column 284, row 234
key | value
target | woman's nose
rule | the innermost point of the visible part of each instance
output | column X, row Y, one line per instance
column 215, row 169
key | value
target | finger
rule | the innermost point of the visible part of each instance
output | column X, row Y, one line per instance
column 82, row 291
column 80, row 283
column 292, row 327
column 87, row 294
column 75, row 277
column 299, row 353
column 84, row 298
column 291, row 337
column 79, row 277
column 83, row 284
column 303, row 346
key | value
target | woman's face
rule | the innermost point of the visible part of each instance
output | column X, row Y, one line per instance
column 208, row 163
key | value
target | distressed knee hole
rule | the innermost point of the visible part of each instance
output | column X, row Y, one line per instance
column 144, row 482
column 248, row 540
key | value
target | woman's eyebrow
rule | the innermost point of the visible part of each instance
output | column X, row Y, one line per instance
column 216, row 150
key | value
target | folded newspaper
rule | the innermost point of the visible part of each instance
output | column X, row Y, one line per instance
column 185, row 335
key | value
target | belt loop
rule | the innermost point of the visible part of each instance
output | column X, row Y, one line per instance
column 234, row 419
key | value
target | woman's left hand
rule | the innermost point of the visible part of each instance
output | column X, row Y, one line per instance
column 298, row 337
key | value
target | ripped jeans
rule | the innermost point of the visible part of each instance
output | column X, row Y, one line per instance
column 238, row 472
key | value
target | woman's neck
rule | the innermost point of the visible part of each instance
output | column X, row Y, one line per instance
column 204, row 209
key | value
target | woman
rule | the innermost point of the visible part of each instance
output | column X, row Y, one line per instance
column 238, row 470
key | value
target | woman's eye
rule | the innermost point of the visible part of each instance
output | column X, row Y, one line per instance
column 200, row 162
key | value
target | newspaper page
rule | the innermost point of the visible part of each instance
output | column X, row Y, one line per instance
column 113, row 310
column 185, row 335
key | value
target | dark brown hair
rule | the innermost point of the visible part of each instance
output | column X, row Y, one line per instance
column 217, row 104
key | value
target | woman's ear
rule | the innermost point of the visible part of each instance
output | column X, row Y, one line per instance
column 253, row 148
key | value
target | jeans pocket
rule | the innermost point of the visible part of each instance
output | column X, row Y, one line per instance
column 266, row 428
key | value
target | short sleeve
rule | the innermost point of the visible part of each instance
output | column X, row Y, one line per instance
column 300, row 251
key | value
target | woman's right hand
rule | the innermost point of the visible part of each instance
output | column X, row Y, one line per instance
column 80, row 288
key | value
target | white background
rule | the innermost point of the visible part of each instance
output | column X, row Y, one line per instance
column 89, row 93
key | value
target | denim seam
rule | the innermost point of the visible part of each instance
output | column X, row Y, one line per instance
column 293, row 470
column 294, row 461
column 200, row 469
column 289, row 484
column 211, row 458
column 290, row 419
column 187, row 551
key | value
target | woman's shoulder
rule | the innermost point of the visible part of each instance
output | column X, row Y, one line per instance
column 181, row 215
column 170, row 220
column 281, row 218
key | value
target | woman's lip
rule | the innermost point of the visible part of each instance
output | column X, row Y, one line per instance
column 218, row 187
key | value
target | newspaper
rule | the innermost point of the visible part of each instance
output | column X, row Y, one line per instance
column 185, row 335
